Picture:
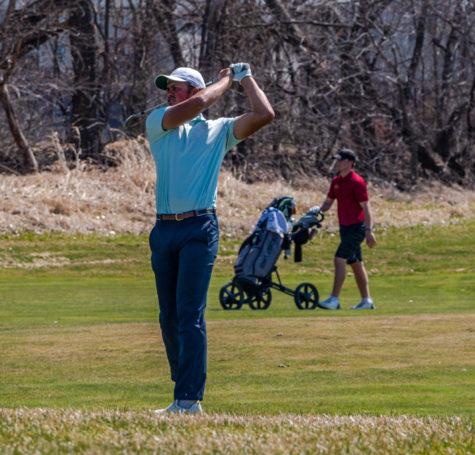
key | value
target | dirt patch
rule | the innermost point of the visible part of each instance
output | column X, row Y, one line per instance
column 51, row 260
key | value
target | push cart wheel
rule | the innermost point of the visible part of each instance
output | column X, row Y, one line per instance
column 306, row 296
column 260, row 300
column 231, row 296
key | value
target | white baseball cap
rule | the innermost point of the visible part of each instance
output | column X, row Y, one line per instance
column 188, row 75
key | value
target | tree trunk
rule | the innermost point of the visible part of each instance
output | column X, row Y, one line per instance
column 141, row 28
column 292, row 32
column 107, row 10
column 406, row 94
column 85, row 102
column 211, row 36
column 29, row 159
column 163, row 12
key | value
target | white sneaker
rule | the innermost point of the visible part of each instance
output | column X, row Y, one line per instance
column 332, row 303
column 365, row 304
column 195, row 408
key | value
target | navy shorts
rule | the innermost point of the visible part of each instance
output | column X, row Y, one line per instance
column 350, row 245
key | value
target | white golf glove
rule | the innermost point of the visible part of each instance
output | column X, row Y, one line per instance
column 240, row 71
column 314, row 210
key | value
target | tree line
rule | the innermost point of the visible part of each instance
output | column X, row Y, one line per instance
column 392, row 79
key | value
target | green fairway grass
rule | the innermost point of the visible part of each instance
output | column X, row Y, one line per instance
column 78, row 329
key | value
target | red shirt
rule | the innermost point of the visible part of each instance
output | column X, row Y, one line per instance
column 349, row 191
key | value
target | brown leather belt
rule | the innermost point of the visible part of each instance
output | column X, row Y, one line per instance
column 185, row 215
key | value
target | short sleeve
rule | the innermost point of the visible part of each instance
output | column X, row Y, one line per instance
column 361, row 191
column 231, row 140
column 153, row 126
column 331, row 192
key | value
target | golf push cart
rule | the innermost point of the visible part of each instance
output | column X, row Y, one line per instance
column 258, row 255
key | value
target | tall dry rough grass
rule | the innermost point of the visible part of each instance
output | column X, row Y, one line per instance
column 122, row 199
column 26, row 431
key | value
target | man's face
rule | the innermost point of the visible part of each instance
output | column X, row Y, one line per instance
column 178, row 92
column 344, row 165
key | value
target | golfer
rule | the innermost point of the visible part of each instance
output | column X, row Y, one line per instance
column 356, row 225
column 188, row 151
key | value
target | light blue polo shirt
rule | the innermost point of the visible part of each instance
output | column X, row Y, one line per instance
column 188, row 159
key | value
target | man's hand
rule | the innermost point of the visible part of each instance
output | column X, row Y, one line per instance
column 226, row 72
column 327, row 203
column 240, row 71
column 370, row 239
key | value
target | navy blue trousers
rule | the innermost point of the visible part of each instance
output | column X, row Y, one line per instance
column 183, row 255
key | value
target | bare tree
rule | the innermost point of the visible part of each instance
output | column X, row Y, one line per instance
column 394, row 79
column 85, row 99
column 18, row 32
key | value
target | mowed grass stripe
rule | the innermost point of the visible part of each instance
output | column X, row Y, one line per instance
column 371, row 364
column 105, row 432
column 55, row 300
column 422, row 269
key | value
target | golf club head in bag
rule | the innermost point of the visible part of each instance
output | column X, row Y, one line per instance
column 304, row 230
column 287, row 205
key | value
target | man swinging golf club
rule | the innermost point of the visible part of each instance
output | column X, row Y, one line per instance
column 188, row 151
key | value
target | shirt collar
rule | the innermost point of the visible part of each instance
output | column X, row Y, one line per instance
column 198, row 118
column 348, row 176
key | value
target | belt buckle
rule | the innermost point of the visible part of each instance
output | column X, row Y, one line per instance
column 176, row 217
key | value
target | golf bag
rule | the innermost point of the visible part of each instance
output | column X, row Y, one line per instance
column 256, row 263
column 260, row 251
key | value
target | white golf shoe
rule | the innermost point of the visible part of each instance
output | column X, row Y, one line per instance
column 332, row 303
column 365, row 304
column 174, row 408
